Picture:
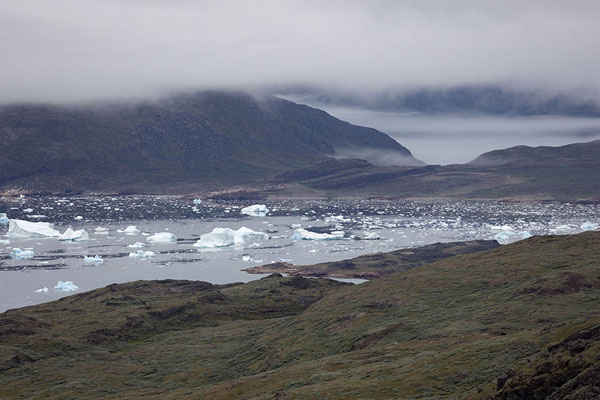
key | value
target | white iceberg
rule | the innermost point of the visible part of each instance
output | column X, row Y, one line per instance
column 303, row 234
column 246, row 258
column 162, row 237
column 28, row 210
column 371, row 236
column 3, row 218
column 42, row 290
column 74, row 236
column 67, row 286
column 3, row 241
column 18, row 228
column 256, row 210
column 508, row 236
column 137, row 245
column 223, row 237
column 96, row 259
column 78, row 218
column 131, row 230
column 197, row 201
column 101, row 231
column 19, row 254
column 142, row 254
column 588, row 226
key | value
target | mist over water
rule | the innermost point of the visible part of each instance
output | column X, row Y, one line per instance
column 459, row 138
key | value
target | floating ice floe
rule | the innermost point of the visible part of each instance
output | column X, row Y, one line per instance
column 509, row 236
column 303, row 234
column 3, row 241
column 18, row 228
column 3, row 218
column 337, row 218
column 78, row 218
column 101, row 231
column 42, row 290
column 256, row 210
column 96, row 259
column 162, row 237
column 197, row 201
column 67, row 286
column 588, row 226
column 19, row 254
column 223, row 237
column 130, row 230
column 246, row 258
column 28, row 210
column 370, row 236
column 74, row 236
column 142, row 254
column 137, row 245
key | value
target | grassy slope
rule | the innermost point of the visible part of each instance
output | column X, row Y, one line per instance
column 448, row 329
column 379, row 264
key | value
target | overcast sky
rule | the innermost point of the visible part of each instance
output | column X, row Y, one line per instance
column 69, row 50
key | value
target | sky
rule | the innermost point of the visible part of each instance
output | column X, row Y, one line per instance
column 78, row 50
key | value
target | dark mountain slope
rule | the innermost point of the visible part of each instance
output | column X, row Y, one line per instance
column 211, row 138
column 516, row 322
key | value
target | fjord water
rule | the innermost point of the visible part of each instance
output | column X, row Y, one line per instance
column 398, row 224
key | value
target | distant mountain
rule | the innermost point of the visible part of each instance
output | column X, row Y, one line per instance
column 494, row 100
column 569, row 172
column 207, row 139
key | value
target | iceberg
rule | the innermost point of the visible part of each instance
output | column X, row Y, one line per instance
column 223, row 237
column 101, row 231
column 78, row 218
column 137, row 245
column 131, row 230
column 142, row 254
column 256, row 210
column 67, row 286
column 197, row 201
column 588, row 226
column 96, row 259
column 2, row 241
column 162, row 237
column 19, row 254
column 28, row 210
column 74, row 236
column 303, row 234
column 507, row 236
column 42, row 290
column 3, row 219
column 371, row 236
column 18, row 228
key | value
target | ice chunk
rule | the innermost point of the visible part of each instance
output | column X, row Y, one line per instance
column 131, row 230
column 78, row 218
column 223, row 237
column 256, row 210
column 508, row 236
column 28, row 210
column 142, row 254
column 137, row 245
column 67, row 286
column 588, row 226
column 18, row 228
column 162, row 237
column 101, row 231
column 246, row 258
column 74, row 236
column 371, row 236
column 197, row 201
column 96, row 259
column 2, row 241
column 19, row 254
column 3, row 218
column 303, row 234
column 42, row 290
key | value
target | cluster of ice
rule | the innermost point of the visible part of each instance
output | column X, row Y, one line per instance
column 18, row 228
column 588, row 226
column 337, row 219
column 256, row 210
column 224, row 237
column 162, row 237
column 137, row 245
column 3, row 218
column 131, row 230
column 101, row 231
column 197, row 201
column 96, row 259
column 42, row 290
column 142, row 254
column 74, row 236
column 19, row 254
column 303, row 234
column 509, row 236
column 67, row 286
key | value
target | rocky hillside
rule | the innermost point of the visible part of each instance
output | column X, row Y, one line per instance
column 516, row 322
column 206, row 139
